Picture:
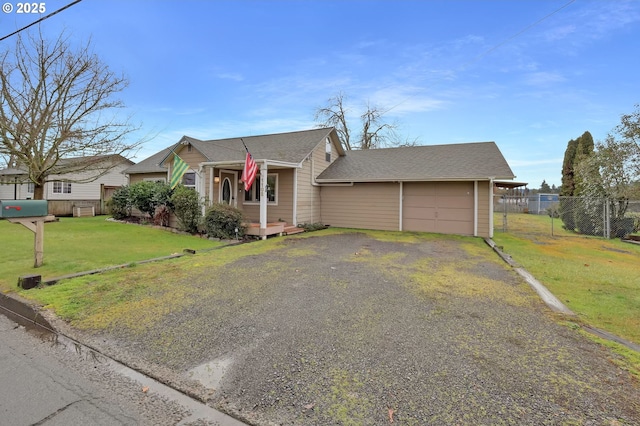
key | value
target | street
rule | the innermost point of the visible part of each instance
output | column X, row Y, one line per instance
column 44, row 381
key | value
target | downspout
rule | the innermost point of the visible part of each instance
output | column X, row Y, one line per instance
column 475, row 208
column 401, row 212
column 295, row 197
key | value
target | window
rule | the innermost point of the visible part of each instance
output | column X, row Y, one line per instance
column 157, row 180
column 327, row 150
column 253, row 194
column 31, row 187
column 189, row 180
column 61, row 187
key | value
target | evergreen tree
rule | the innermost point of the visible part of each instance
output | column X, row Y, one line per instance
column 568, row 184
column 544, row 188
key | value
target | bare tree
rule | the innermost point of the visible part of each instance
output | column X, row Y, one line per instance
column 335, row 115
column 376, row 132
column 57, row 103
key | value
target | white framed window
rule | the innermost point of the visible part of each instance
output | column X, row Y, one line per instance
column 253, row 194
column 327, row 150
column 31, row 188
column 60, row 187
column 189, row 179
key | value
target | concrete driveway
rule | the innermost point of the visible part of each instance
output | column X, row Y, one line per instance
column 356, row 328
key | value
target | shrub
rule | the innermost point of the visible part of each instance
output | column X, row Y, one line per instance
column 312, row 226
column 120, row 203
column 187, row 208
column 147, row 195
column 161, row 216
column 222, row 220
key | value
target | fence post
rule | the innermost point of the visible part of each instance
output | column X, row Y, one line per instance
column 504, row 214
column 608, row 218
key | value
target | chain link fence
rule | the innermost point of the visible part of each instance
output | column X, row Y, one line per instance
column 579, row 215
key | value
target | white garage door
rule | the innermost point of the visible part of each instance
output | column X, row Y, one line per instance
column 443, row 207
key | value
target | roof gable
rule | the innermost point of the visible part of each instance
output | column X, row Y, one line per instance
column 469, row 161
column 290, row 147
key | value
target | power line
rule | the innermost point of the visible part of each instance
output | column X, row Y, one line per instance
column 41, row 19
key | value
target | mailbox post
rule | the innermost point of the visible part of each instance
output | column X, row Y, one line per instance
column 32, row 215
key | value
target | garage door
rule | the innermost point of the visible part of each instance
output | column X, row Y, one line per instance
column 443, row 207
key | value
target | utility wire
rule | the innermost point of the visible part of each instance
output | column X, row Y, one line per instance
column 41, row 19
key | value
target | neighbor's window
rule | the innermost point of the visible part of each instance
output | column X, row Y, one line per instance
column 31, row 187
column 61, row 187
column 253, row 194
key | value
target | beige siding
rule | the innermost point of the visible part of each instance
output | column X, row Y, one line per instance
column 363, row 205
column 135, row 178
column 283, row 209
column 483, row 209
column 308, row 209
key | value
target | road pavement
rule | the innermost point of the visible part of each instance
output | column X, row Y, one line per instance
column 47, row 381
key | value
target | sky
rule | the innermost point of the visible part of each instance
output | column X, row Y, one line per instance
column 528, row 75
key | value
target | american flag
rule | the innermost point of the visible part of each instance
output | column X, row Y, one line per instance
column 249, row 172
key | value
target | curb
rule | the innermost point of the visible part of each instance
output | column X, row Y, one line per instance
column 547, row 297
column 23, row 311
column 553, row 303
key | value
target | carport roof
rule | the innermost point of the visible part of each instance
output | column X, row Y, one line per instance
column 465, row 161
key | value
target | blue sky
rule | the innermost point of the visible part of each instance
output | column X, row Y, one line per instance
column 513, row 72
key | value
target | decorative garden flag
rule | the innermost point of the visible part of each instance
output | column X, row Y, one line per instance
column 178, row 169
column 249, row 172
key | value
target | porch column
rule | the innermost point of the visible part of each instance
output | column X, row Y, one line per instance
column 263, row 200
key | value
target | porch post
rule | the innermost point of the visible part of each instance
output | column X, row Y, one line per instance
column 263, row 200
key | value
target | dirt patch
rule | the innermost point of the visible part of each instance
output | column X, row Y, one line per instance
column 352, row 329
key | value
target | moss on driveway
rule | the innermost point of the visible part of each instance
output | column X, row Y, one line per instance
column 350, row 328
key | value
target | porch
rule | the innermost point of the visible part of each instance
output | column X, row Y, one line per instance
column 272, row 228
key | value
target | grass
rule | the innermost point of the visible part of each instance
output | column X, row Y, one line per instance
column 596, row 278
column 80, row 244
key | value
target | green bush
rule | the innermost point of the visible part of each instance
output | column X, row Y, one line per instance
column 120, row 203
column 147, row 195
column 187, row 208
column 222, row 220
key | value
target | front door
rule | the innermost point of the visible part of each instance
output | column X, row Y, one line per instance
column 227, row 190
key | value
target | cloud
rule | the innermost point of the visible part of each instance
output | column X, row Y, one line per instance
column 231, row 76
column 403, row 99
column 544, row 78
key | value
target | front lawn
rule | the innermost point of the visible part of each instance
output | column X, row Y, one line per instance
column 80, row 244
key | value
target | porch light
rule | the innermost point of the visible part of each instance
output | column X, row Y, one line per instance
column 216, row 179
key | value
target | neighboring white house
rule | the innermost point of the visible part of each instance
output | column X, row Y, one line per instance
column 64, row 192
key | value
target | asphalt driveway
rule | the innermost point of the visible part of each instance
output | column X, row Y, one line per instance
column 369, row 329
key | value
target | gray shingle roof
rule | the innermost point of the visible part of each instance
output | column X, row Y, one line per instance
column 291, row 147
column 150, row 164
column 71, row 163
column 470, row 161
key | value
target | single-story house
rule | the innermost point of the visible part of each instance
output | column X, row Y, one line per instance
column 87, row 186
column 307, row 177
